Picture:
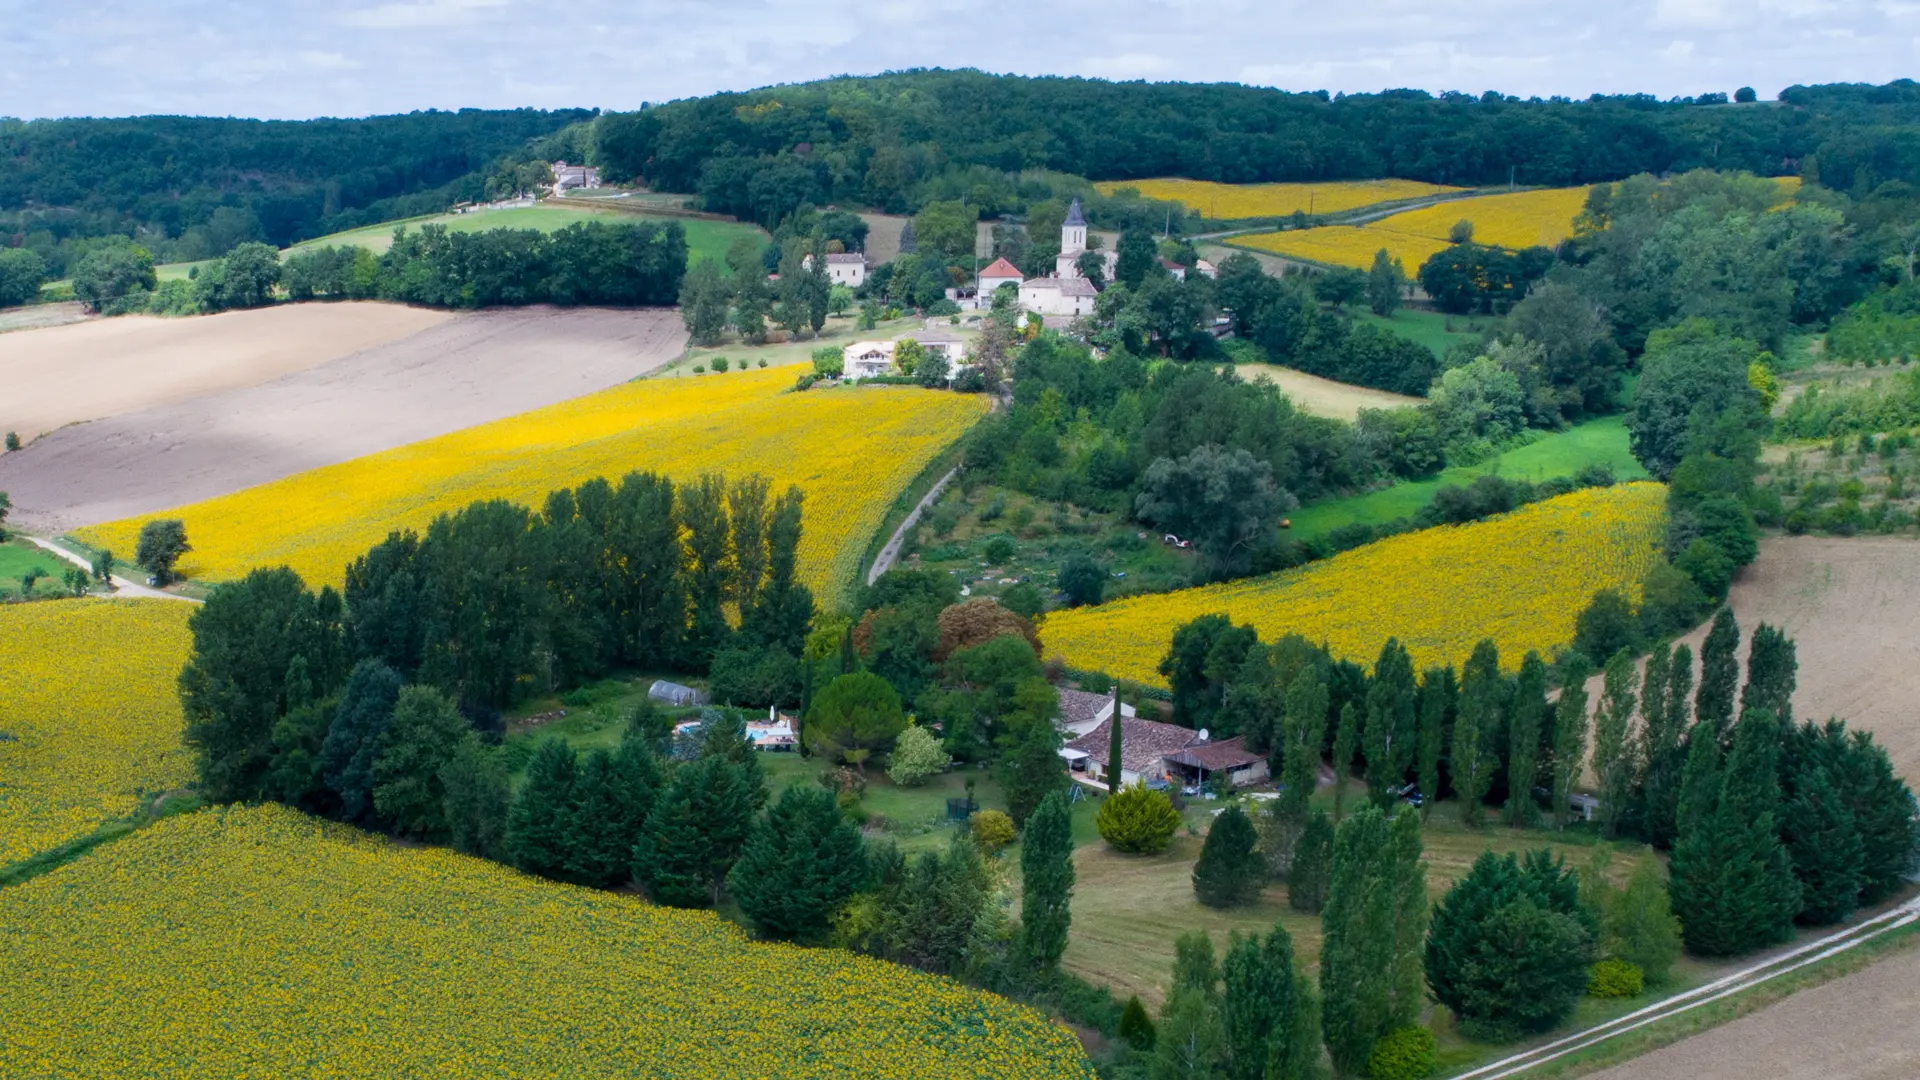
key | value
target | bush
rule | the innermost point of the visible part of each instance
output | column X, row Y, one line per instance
column 992, row 830
column 720, row 363
column 1138, row 821
column 1000, row 549
column 1606, row 626
column 1615, row 979
column 1404, row 1054
column 917, row 755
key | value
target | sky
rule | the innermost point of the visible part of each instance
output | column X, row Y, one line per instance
column 282, row 60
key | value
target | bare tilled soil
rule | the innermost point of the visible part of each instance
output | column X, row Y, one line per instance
column 456, row 372
column 1865, row 1026
column 57, row 375
column 1852, row 606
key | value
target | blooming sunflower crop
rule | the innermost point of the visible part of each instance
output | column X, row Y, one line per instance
column 1513, row 220
column 1234, row 202
column 1520, row 579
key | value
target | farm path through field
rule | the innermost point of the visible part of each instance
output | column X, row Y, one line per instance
column 124, row 588
column 466, row 370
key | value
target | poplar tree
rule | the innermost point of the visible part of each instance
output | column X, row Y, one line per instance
column 1719, row 678
column 1046, row 882
column 1308, row 878
column 1663, row 710
column 1437, row 694
column 1391, row 732
column 1267, row 1010
column 1613, row 757
column 1345, row 741
column 1372, row 929
column 1523, row 732
column 1733, row 884
column 1569, row 736
column 1481, row 689
column 1306, row 733
column 1772, row 671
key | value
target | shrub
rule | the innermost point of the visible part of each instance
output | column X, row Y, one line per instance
column 917, row 755
column 763, row 362
column 1000, row 549
column 720, row 363
column 1615, row 979
column 992, row 830
column 977, row 621
column 699, row 369
column 13, row 441
column 1404, row 1054
column 1138, row 821
column 1135, row 1025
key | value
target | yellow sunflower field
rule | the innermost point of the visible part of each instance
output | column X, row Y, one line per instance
column 89, row 720
column 256, row 943
column 1520, row 579
column 1233, row 202
column 1513, row 220
column 852, row 450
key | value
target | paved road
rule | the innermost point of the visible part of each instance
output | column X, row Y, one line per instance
column 885, row 560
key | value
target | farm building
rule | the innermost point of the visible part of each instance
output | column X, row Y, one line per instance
column 672, row 693
column 566, row 177
column 1152, row 751
column 1066, row 296
column 1199, row 763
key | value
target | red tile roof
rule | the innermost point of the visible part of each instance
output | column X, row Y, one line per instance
column 1142, row 742
column 1001, row 268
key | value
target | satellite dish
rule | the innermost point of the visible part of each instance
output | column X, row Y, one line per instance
column 1203, row 734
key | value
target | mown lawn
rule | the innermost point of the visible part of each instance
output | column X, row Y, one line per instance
column 17, row 557
column 1562, row 453
column 705, row 239
column 1436, row 330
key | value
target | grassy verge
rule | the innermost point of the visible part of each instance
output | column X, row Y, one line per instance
column 1562, row 453
column 946, row 461
column 1436, row 330
column 54, row 858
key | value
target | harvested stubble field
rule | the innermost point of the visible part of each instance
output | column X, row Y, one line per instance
column 851, row 449
column 1520, row 579
column 89, row 720
column 1514, row 220
column 63, row 375
column 1323, row 397
column 457, row 371
column 258, row 942
column 1236, row 202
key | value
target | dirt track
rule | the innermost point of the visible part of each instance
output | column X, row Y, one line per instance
column 461, row 371
column 1852, row 606
column 61, row 375
column 1865, row 1026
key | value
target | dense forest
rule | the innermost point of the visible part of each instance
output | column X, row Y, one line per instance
column 220, row 182
column 888, row 140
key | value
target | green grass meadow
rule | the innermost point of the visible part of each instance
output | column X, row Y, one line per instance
column 705, row 239
column 1562, row 453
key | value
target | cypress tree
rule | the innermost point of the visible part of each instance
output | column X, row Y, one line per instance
column 672, row 855
column 800, row 862
column 1772, row 671
column 1046, row 882
column 1824, row 844
column 1523, row 733
column 1310, row 876
column 353, row 739
column 1481, row 690
column 1880, row 802
column 1569, row 736
column 1230, row 870
column 538, row 823
column 599, row 848
column 1719, row 677
column 1437, row 693
column 1733, row 885
column 1345, row 741
column 1262, row 993
column 1391, row 731
column 1116, row 741
column 1510, row 944
column 1613, row 752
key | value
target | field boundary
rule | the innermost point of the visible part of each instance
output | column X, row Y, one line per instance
column 46, row 862
column 943, row 466
column 1747, row 978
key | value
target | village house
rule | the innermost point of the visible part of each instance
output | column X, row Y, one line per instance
column 1068, row 297
column 1153, row 752
column 1081, row 712
column 843, row 268
column 567, row 177
column 868, row 359
column 999, row 272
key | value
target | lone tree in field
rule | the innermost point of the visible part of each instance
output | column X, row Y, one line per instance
column 1230, row 870
column 161, row 545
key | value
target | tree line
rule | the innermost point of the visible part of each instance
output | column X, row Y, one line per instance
column 193, row 188
column 894, row 140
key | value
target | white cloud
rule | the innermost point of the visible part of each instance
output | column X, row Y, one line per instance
column 314, row 60
column 1133, row 65
column 424, row 13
